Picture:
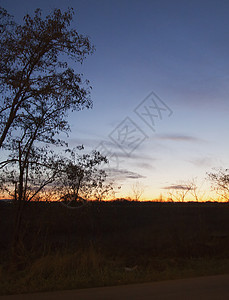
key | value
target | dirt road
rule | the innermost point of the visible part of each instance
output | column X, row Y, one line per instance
column 212, row 287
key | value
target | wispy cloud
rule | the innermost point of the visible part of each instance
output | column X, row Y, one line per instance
column 144, row 165
column 122, row 174
column 176, row 187
column 203, row 162
column 178, row 138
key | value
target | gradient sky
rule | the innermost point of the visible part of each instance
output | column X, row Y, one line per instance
column 177, row 49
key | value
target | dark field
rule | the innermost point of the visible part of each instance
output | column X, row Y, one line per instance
column 102, row 239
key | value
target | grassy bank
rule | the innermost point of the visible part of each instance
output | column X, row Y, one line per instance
column 90, row 268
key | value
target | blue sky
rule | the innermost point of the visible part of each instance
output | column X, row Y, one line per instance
column 177, row 49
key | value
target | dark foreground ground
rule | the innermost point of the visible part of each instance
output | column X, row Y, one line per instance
column 204, row 288
column 112, row 243
column 164, row 229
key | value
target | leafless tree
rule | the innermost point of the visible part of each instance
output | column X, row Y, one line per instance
column 178, row 192
column 38, row 89
column 81, row 179
column 196, row 190
column 220, row 183
column 137, row 190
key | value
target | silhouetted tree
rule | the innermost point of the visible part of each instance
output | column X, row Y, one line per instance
column 220, row 183
column 28, row 171
column 38, row 89
column 137, row 190
column 196, row 190
column 81, row 179
column 34, row 72
column 178, row 192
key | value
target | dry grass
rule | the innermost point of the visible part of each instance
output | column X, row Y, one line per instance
column 90, row 268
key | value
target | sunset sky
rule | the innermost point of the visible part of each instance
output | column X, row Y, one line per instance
column 170, row 54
